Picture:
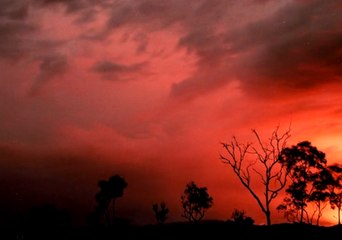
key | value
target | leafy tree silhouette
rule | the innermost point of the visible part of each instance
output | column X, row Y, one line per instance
column 240, row 217
column 160, row 213
column 310, row 182
column 195, row 201
column 265, row 165
column 110, row 190
column 320, row 195
column 335, row 198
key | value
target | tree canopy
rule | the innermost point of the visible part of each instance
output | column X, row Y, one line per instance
column 310, row 182
column 195, row 201
column 110, row 190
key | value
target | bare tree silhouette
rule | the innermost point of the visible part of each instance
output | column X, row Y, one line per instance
column 195, row 201
column 160, row 213
column 110, row 190
column 260, row 159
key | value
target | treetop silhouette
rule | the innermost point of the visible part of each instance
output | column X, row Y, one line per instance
column 160, row 212
column 195, row 201
column 110, row 190
column 311, row 182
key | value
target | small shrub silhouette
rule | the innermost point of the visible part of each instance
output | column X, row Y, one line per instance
column 195, row 201
column 239, row 217
column 160, row 212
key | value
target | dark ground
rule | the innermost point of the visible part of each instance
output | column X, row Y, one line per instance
column 204, row 230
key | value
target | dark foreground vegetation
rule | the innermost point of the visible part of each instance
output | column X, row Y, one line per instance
column 181, row 230
column 301, row 170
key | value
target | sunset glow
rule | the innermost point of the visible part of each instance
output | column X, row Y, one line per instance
column 148, row 89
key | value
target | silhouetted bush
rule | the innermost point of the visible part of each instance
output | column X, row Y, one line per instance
column 195, row 201
column 239, row 217
column 160, row 213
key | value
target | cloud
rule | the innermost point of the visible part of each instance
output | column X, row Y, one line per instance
column 152, row 14
column 294, row 49
column 297, row 48
column 115, row 71
column 294, row 46
column 85, row 11
column 15, row 10
column 12, row 38
column 71, row 5
column 213, row 64
column 21, row 33
column 51, row 66
column 268, row 46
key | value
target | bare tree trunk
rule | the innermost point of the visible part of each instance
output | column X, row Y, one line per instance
column 301, row 215
column 266, row 166
column 107, row 217
column 268, row 218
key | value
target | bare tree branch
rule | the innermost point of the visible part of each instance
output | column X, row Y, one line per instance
column 265, row 165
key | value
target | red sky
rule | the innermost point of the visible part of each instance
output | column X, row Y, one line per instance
column 148, row 89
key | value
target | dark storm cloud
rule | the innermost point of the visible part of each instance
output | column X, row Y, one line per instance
column 155, row 15
column 199, row 21
column 149, row 15
column 14, row 27
column 296, row 48
column 50, row 67
column 12, row 38
column 116, row 71
column 149, row 12
column 19, row 30
column 14, row 9
column 19, row 33
column 213, row 64
column 71, row 5
column 84, row 10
